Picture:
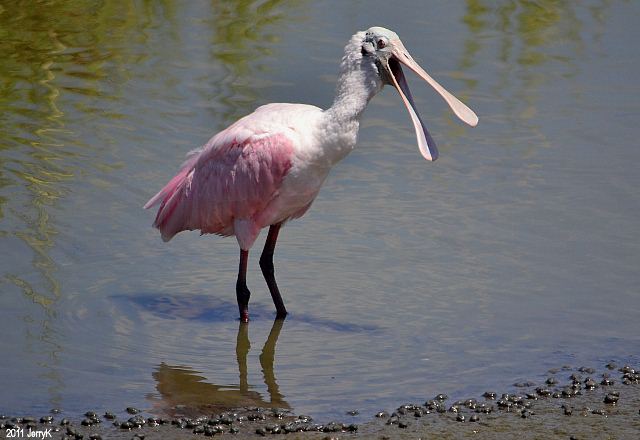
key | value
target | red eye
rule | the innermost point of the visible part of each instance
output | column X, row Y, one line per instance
column 381, row 44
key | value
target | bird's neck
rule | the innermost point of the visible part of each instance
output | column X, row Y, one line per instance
column 357, row 84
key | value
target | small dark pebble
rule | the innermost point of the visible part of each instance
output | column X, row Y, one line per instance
column 132, row 410
column 256, row 416
column 587, row 370
column 441, row 397
column 137, row 421
column 353, row 412
column 46, row 419
column 228, row 419
column 198, row 429
column 109, row 415
column 611, row 399
column 418, row 413
column 138, row 437
column 489, row 395
column 261, row 431
column 575, row 377
column 599, row 412
column 127, row 425
column 64, row 422
column 402, row 425
column 382, row 414
column 484, row 408
column 590, row 384
column 332, row 427
column 474, row 418
column 211, row 430
column 567, row 411
column 55, row 411
column 460, row 417
column 233, row 430
column 95, row 437
column 290, row 427
column 88, row 422
column 543, row 391
column 551, row 381
column 504, row 404
column 470, row 403
column 626, row 369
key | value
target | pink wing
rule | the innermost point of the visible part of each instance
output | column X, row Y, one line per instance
column 229, row 179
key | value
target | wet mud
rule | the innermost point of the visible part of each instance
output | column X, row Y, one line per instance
column 572, row 403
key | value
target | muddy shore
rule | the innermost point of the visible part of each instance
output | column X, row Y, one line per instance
column 572, row 403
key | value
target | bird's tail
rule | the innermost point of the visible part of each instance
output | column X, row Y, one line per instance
column 168, row 220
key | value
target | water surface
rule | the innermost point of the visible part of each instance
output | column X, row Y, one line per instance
column 517, row 251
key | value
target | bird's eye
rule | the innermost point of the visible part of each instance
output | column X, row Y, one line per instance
column 381, row 43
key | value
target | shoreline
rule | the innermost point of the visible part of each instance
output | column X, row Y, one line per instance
column 578, row 403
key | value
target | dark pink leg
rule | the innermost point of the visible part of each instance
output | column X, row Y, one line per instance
column 266, row 264
column 242, row 292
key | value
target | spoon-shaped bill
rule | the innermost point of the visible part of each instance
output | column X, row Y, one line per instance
column 463, row 112
column 426, row 144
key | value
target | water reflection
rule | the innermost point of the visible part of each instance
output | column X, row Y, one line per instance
column 244, row 33
column 77, row 79
column 184, row 391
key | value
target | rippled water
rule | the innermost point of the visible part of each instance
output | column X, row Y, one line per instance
column 515, row 252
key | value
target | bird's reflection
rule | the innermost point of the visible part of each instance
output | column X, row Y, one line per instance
column 183, row 390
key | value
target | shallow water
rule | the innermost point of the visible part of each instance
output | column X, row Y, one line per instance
column 516, row 252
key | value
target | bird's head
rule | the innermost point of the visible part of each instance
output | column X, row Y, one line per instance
column 384, row 48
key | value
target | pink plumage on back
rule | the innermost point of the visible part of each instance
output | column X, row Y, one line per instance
column 223, row 182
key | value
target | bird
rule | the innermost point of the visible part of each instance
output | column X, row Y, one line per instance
column 267, row 168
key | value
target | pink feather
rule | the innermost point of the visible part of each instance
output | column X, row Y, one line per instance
column 224, row 182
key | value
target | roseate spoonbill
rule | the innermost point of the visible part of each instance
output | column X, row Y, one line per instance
column 268, row 167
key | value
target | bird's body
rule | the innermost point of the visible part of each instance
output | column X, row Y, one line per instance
column 268, row 167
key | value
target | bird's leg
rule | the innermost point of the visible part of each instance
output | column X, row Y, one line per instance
column 242, row 292
column 266, row 264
